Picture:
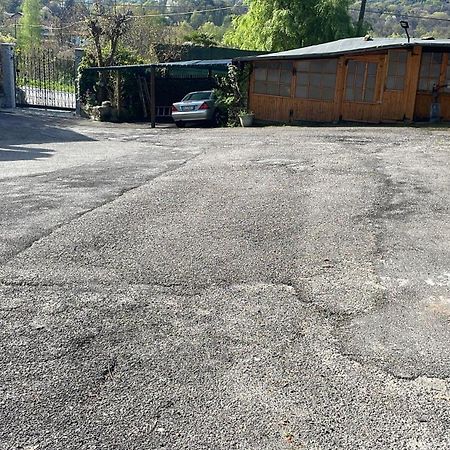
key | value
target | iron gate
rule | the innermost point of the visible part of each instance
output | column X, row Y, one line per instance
column 45, row 79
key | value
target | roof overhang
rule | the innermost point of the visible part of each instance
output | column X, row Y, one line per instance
column 347, row 46
column 194, row 64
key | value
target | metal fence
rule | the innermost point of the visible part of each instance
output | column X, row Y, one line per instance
column 45, row 79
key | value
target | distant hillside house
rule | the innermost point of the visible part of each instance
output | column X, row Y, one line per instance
column 358, row 79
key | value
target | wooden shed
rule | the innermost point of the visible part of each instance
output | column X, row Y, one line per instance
column 357, row 79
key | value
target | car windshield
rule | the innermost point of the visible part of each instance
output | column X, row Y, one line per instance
column 198, row 96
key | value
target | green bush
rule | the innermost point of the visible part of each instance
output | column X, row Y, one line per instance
column 96, row 87
column 232, row 93
column 6, row 38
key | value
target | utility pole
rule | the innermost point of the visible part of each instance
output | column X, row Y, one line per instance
column 362, row 12
column 15, row 17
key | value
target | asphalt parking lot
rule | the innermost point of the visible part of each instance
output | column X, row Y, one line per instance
column 256, row 289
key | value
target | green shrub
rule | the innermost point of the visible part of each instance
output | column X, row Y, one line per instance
column 232, row 93
column 96, row 87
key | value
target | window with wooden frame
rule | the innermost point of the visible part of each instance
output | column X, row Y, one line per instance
column 316, row 79
column 396, row 70
column 430, row 70
column 273, row 78
column 361, row 81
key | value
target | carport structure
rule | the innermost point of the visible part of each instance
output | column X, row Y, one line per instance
column 146, row 92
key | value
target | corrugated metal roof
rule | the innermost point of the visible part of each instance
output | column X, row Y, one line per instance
column 350, row 45
column 199, row 62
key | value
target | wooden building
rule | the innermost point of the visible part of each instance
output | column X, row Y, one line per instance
column 357, row 79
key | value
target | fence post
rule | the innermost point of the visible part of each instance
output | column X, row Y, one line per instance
column 9, row 79
column 118, row 94
column 79, row 53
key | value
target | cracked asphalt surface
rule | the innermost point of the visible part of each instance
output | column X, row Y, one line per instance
column 256, row 289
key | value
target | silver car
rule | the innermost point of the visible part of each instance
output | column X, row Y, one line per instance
column 197, row 106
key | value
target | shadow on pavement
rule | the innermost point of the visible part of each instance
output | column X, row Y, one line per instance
column 18, row 132
column 23, row 153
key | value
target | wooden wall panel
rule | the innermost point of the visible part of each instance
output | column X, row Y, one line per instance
column 362, row 112
column 288, row 109
column 270, row 108
column 393, row 107
column 278, row 109
column 445, row 107
column 312, row 110
column 423, row 106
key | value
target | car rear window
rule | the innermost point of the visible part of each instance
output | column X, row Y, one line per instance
column 198, row 96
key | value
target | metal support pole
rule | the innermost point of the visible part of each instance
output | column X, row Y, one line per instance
column 152, row 96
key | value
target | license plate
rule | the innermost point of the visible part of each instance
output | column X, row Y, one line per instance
column 188, row 108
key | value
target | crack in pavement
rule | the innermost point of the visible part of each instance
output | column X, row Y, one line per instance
column 79, row 215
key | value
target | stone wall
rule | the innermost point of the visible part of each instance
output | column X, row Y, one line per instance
column 7, row 82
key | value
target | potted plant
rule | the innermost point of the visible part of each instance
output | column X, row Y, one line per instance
column 246, row 118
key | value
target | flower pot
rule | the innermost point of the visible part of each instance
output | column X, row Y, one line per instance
column 246, row 120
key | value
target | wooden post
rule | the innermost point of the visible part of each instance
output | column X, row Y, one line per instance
column 152, row 96
column 412, row 81
column 443, row 74
column 340, row 87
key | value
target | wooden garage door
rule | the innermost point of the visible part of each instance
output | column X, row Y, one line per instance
column 362, row 93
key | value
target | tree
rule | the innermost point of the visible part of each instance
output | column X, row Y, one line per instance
column 106, row 28
column 30, row 25
column 196, row 20
column 9, row 6
column 66, row 18
column 277, row 25
column 216, row 32
column 201, row 39
column 145, row 33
